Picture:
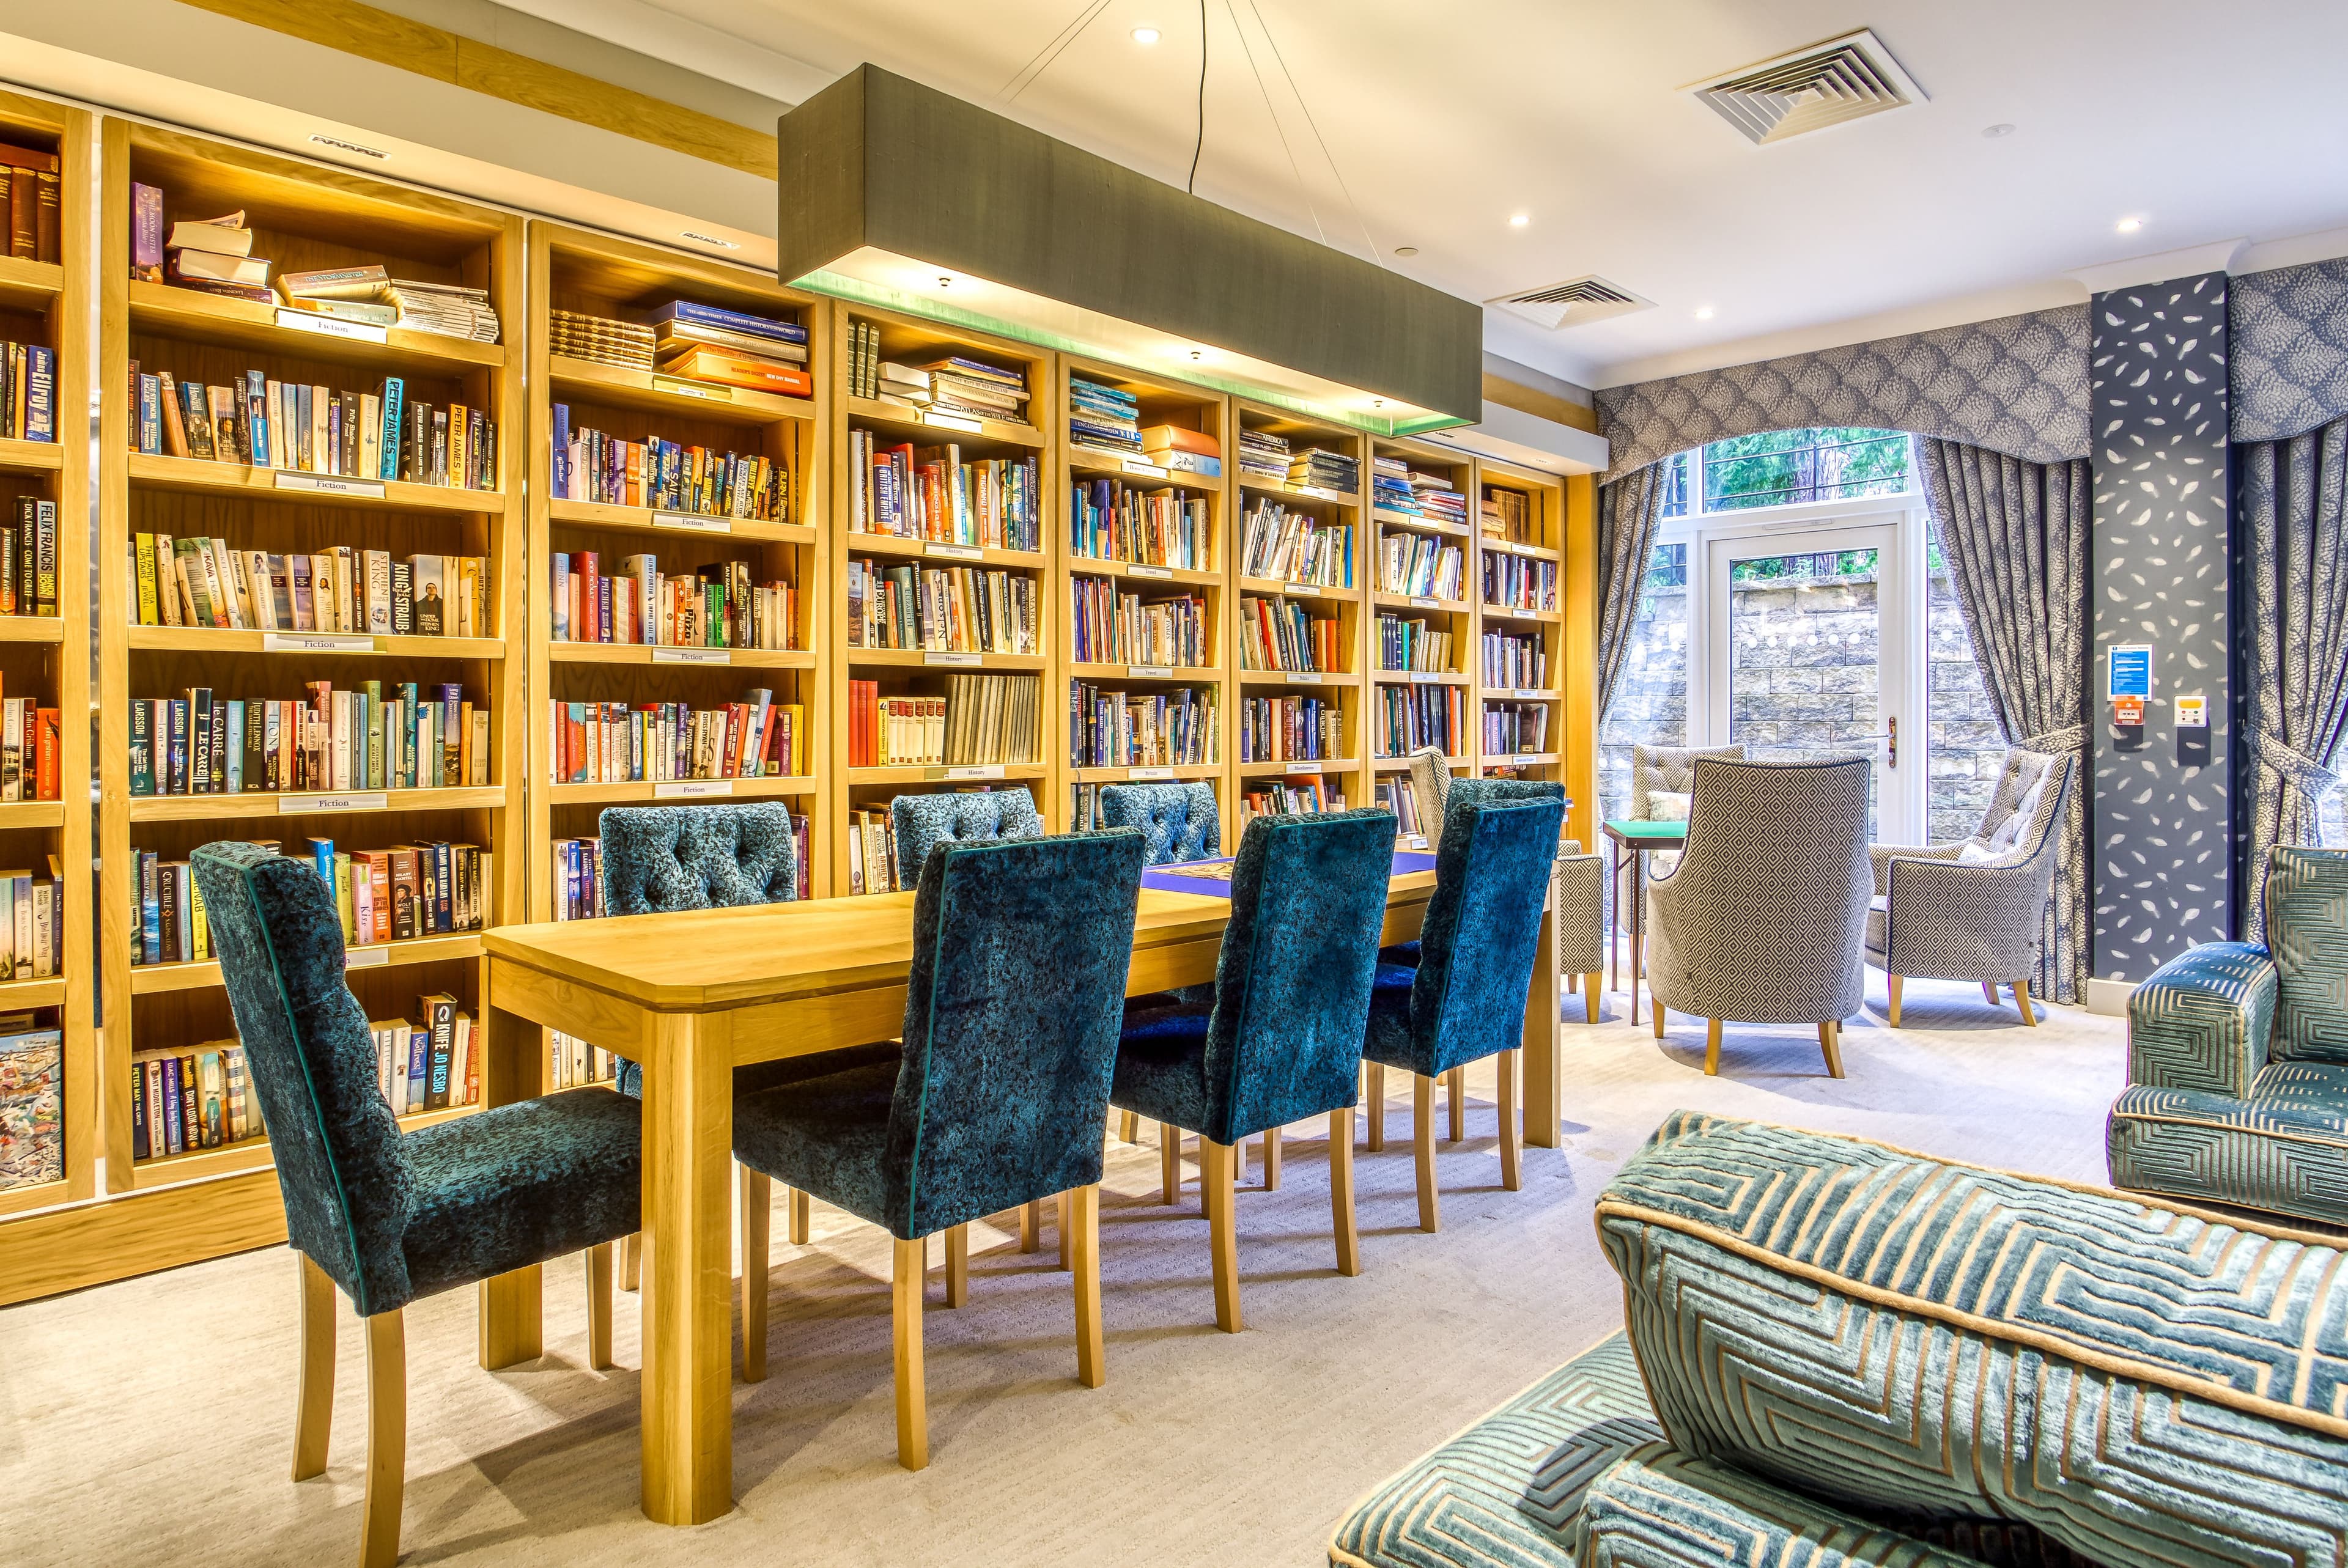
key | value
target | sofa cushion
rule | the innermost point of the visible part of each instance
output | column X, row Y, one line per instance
column 1892, row 1331
column 2307, row 928
column 2283, row 1149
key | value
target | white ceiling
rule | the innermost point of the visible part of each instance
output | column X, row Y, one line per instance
column 1429, row 125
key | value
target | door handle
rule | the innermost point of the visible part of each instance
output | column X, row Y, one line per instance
column 1889, row 736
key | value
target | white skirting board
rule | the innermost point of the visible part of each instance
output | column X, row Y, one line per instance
column 2109, row 998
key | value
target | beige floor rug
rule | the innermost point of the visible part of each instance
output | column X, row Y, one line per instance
column 150, row 1422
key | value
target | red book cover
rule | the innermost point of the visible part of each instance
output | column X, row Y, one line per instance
column 46, row 782
column 591, row 597
column 731, row 748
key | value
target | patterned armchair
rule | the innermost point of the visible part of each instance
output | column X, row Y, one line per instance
column 1974, row 909
column 1668, row 770
column 2238, row 1059
column 919, row 821
column 1761, row 920
column 1178, row 821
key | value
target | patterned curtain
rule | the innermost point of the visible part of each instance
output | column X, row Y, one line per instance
column 2294, row 494
column 1630, row 512
column 2015, row 535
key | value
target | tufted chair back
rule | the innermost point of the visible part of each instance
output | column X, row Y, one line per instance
column 919, row 821
column 1012, row 1010
column 1481, row 933
column 659, row 859
column 1670, row 769
column 345, row 1179
column 2024, row 771
column 1178, row 821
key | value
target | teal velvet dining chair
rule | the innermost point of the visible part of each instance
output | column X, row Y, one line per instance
column 918, row 822
column 1179, row 820
column 1021, row 948
column 1478, row 941
column 1281, row 1039
column 385, row 1216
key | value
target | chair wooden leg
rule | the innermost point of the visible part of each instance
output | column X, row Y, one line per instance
column 803, row 1217
column 1060, row 1223
column 1989, row 991
column 958, row 1264
column 1891, row 987
column 1239, row 1163
column 1374, row 1096
column 1455, row 1096
column 1512, row 1163
column 757, row 1200
column 2021, row 1000
column 1341, row 1191
column 599, row 1308
column 1090, row 1371
column 387, row 1460
column 1031, row 1226
column 314, row 1402
column 1712, row 1047
column 1216, row 1174
column 1271, row 1159
column 1657, row 1009
column 1169, row 1163
column 1422, row 1133
column 1590, row 997
column 1830, row 1043
column 906, row 1274
column 631, row 1260
column 1130, row 1127
column 1571, row 981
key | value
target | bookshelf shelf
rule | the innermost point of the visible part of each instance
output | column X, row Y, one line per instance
column 945, row 554
column 1509, row 613
column 252, row 1153
column 1085, row 566
column 35, row 1195
column 611, row 387
column 154, row 980
column 340, row 802
column 1299, row 770
column 1094, row 462
column 1182, row 773
column 1384, row 601
column 1512, row 548
column 1418, row 677
column 918, row 659
column 1299, row 678
column 1417, row 525
column 202, row 476
column 787, row 786
column 1304, row 492
column 1150, row 674
column 21, row 813
column 30, row 285
column 646, row 520
column 1521, row 717
column 938, row 427
column 162, row 310
column 989, row 773
column 648, row 656
column 32, row 628
column 1402, row 765
column 350, row 645
column 1273, row 586
column 31, row 456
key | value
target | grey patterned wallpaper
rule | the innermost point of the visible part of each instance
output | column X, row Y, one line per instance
column 2159, row 568
column 2290, row 349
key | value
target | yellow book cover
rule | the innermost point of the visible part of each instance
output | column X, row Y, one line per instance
column 199, row 934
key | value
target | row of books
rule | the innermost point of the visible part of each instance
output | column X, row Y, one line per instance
column 1519, row 582
column 30, row 766
column 1107, row 626
column 199, row 1098
column 1414, row 644
column 32, row 1103
column 200, row 581
column 29, row 193
column 264, row 422
column 1101, row 415
column 1307, row 796
column 694, row 342
column 871, row 851
column 957, row 384
column 1277, row 634
column 1418, row 565
column 1395, row 487
column 664, row 743
column 665, row 476
column 943, row 609
column 1291, row 729
column 28, row 559
column 980, row 720
column 1111, row 521
column 714, row 605
column 1517, row 660
column 1507, row 515
column 1405, row 718
column 1516, row 727
column 1288, row 546
column 1263, row 456
column 33, row 923
column 391, row 895
column 1110, row 729
column 430, row 1064
column 1399, row 795
column 930, row 493
column 573, row 1063
column 28, row 392
column 200, row 744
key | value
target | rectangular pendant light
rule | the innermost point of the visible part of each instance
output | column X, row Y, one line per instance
column 904, row 196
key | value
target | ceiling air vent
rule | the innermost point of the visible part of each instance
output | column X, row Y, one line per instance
column 1844, row 79
column 1573, row 304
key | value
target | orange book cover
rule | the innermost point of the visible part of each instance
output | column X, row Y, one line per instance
column 1173, row 438
column 46, row 782
column 741, row 370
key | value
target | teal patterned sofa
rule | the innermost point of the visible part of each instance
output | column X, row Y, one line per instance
column 1839, row 1352
column 2238, row 1059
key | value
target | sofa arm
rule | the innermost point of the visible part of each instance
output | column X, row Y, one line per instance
column 2203, row 1019
column 1880, row 857
column 1660, row 1508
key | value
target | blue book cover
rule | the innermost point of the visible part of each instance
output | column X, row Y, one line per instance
column 256, row 416
column 322, row 857
column 233, row 745
column 151, row 415
column 419, row 1054
column 150, row 909
column 561, row 478
column 40, row 394
column 394, row 389
column 735, row 321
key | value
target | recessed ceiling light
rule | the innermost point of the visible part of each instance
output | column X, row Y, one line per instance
column 339, row 145
column 1994, row 131
column 2128, row 225
column 1704, row 312
column 1406, row 250
column 1518, row 220
column 945, row 281
column 700, row 239
column 1196, row 354
column 1145, row 36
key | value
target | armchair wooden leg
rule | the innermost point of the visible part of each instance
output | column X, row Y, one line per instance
column 1572, row 981
column 2021, row 1000
column 1657, row 1009
column 1455, row 1094
column 1169, row 1163
column 1130, row 1127
column 803, row 1217
column 314, row 1402
column 1341, row 1191
column 1031, row 1226
column 599, row 1308
column 758, row 1220
column 1712, row 1047
column 1239, row 1163
column 958, row 1262
column 1512, row 1165
column 631, row 1260
column 907, row 1273
column 387, row 1460
column 1590, row 997
column 1222, row 1230
column 1374, row 1098
column 1271, row 1159
column 1989, row 991
column 1891, row 987
column 1060, row 1223
column 1830, row 1043
column 1422, row 1133
column 1085, row 1202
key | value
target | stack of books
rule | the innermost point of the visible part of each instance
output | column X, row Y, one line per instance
column 1416, row 565
column 446, row 310
column 900, row 385
column 28, row 203
column 212, row 255
column 195, row 743
column 28, row 392
column 973, row 387
column 1318, row 468
column 872, row 851
column 1102, row 415
column 893, row 732
column 1263, row 456
column 346, row 293
column 1390, row 487
column 600, row 340
column 1181, row 451
column 199, row 581
column 1438, row 500
column 32, row 1104
column 29, row 771
column 428, row 1066
column 1277, row 634
column 1507, row 515
column 731, row 348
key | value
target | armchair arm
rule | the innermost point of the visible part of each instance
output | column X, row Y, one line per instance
column 2203, row 1019
column 1952, row 921
column 1581, row 914
column 1879, row 857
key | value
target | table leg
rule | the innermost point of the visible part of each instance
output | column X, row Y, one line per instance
column 511, row 1311
column 688, row 1336
column 1637, row 927
column 1544, row 1036
column 1614, row 924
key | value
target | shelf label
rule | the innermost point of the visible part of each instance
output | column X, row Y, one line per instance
column 1528, row 692
column 1301, row 767
column 312, row 805
column 1413, row 840
column 692, row 789
column 954, row 552
column 952, row 421
column 1426, row 677
column 1421, row 601
column 702, row 390
column 330, row 485
column 1319, row 494
column 1306, row 677
column 1138, row 466
column 318, row 642
column 1149, row 773
column 1160, row 571
column 330, row 326
column 1303, row 590
column 981, row 770
column 1150, row 672
column 372, row 957
column 693, row 656
column 954, row 661
column 693, row 523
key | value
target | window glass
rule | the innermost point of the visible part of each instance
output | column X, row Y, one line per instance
column 1651, row 698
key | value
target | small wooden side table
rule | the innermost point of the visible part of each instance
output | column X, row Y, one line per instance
column 1636, row 840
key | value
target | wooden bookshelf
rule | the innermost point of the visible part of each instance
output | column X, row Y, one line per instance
column 1455, row 616
column 1520, row 596
column 304, row 216
column 45, row 658
column 854, row 545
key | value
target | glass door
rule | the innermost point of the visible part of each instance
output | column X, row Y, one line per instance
column 1808, row 650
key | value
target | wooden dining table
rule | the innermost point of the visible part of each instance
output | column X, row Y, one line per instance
column 692, row 997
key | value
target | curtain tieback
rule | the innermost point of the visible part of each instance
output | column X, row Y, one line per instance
column 2302, row 770
column 2070, row 738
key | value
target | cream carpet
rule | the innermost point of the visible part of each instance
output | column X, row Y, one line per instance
column 150, row 1421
